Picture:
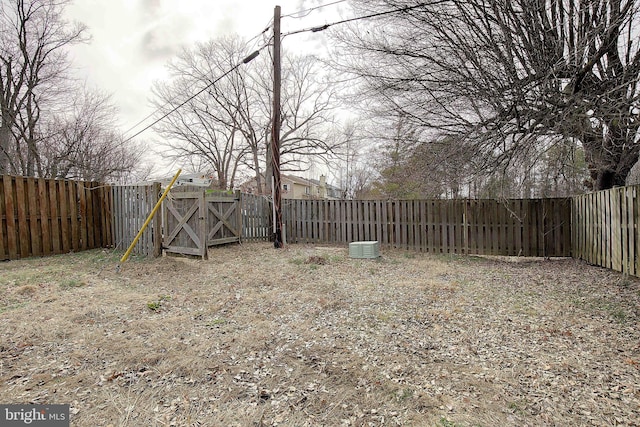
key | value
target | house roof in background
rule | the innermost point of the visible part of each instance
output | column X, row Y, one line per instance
column 300, row 181
column 297, row 179
column 306, row 181
column 202, row 179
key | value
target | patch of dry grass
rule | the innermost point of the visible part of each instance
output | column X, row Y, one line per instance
column 308, row 337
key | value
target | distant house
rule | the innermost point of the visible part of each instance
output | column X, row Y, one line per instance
column 294, row 187
column 195, row 179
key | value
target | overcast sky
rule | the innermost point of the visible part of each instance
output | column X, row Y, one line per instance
column 132, row 40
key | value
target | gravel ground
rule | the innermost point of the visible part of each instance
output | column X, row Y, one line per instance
column 306, row 336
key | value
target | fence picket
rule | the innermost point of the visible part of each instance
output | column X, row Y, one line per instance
column 9, row 205
column 630, row 265
column 495, row 227
column 23, row 230
column 82, row 206
column 616, row 238
column 3, row 223
column 634, row 230
column 624, row 230
column 35, row 230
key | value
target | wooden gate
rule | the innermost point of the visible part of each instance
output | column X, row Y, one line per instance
column 196, row 219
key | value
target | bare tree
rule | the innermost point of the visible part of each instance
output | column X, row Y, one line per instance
column 33, row 41
column 351, row 165
column 81, row 143
column 229, row 124
column 306, row 116
column 207, row 126
column 561, row 171
column 510, row 77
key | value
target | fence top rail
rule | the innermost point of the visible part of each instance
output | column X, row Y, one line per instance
column 624, row 188
column 426, row 200
column 133, row 186
column 94, row 184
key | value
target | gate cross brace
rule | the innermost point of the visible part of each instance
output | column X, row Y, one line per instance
column 223, row 220
column 183, row 224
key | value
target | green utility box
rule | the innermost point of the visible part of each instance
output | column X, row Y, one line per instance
column 370, row 249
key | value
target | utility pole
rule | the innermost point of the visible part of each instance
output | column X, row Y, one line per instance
column 275, row 131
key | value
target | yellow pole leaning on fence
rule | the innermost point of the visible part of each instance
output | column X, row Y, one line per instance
column 149, row 218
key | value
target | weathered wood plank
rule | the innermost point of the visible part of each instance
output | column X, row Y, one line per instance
column 10, row 217
column 82, row 206
column 411, row 225
column 35, row 229
column 634, row 212
column 74, row 225
column 56, row 238
column 499, row 239
column 632, row 235
column 22, row 223
column 65, row 229
column 483, row 227
column 202, row 223
column 436, row 225
column 616, row 229
column 624, row 230
column 423, row 226
column 4, row 249
column 606, row 223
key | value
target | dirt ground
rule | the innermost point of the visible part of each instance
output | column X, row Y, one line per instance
column 306, row 336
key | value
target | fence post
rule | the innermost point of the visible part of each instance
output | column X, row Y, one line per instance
column 157, row 222
column 239, row 208
column 465, row 228
column 202, row 222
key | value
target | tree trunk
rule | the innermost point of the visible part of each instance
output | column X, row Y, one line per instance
column 610, row 163
column 256, row 167
column 222, row 179
column 5, row 142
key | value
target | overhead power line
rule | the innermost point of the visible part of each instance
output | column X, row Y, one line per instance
column 267, row 28
column 256, row 53
column 174, row 109
column 153, row 113
column 144, row 119
column 358, row 18
column 306, row 12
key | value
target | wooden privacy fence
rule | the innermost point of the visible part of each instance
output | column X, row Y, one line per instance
column 47, row 216
column 132, row 204
column 537, row 227
column 605, row 229
column 256, row 212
